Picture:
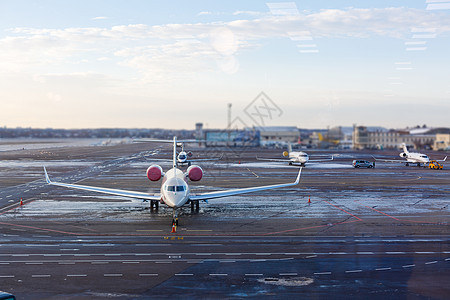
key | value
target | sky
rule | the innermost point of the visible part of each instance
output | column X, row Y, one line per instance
column 171, row 64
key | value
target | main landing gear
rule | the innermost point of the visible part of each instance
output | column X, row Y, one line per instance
column 195, row 207
column 154, row 205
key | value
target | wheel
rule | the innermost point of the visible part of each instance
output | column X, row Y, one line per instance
column 370, row 167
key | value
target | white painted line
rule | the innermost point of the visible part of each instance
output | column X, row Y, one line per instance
column 6, row 276
column 26, row 191
column 76, row 275
column 383, row 269
column 21, row 255
column 256, row 274
column 113, row 275
column 34, row 263
column 40, row 276
column 364, row 253
column 9, row 196
column 447, row 259
column 431, row 262
column 131, row 262
column 311, row 256
column 408, row 266
column 163, row 262
column 4, row 263
column 218, row 274
column 227, row 261
column 99, row 262
column 81, row 255
column 52, row 255
column 66, row 263
column 184, row 274
column 395, row 252
column 424, row 252
column 148, row 274
column 257, row 260
column 288, row 274
column 340, row 253
column 353, row 271
column 323, row 273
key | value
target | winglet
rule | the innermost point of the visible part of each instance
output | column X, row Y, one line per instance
column 445, row 158
column 298, row 176
column 46, row 177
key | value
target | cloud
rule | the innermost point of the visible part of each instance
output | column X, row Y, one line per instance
column 100, row 18
column 199, row 47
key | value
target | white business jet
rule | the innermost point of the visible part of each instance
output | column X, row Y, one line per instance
column 411, row 157
column 175, row 191
column 295, row 157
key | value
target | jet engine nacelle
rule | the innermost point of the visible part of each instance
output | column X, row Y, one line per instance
column 195, row 173
column 154, row 172
column 403, row 154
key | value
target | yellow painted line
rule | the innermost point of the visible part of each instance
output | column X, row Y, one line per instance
column 253, row 173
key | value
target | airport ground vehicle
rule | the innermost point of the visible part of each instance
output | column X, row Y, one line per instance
column 6, row 296
column 435, row 165
column 363, row 164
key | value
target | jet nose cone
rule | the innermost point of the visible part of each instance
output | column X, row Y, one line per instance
column 176, row 199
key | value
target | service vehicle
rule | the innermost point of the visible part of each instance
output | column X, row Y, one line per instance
column 363, row 164
column 435, row 165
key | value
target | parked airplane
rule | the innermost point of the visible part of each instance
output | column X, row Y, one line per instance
column 183, row 157
column 295, row 157
column 411, row 157
column 175, row 192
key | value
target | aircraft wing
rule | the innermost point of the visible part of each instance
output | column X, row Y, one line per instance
column 442, row 160
column 273, row 159
column 124, row 193
column 233, row 192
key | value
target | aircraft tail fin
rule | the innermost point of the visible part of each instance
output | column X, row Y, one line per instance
column 405, row 149
column 289, row 147
column 174, row 151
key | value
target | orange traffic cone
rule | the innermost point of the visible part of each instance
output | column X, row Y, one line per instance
column 174, row 229
column 309, row 199
column 21, row 202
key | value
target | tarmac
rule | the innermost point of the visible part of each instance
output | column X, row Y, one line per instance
column 342, row 232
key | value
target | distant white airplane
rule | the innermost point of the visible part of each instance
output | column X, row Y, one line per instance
column 183, row 157
column 175, row 191
column 411, row 157
column 295, row 157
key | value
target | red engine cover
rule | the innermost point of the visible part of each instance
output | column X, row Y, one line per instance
column 154, row 172
column 195, row 173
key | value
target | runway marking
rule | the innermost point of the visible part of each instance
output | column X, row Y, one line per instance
column 76, row 275
column 112, row 275
column 395, row 252
column 256, row 274
column 131, row 262
column 99, row 262
column 227, row 261
column 6, row 276
column 343, row 210
column 353, row 271
column 34, row 263
column 218, row 274
column 364, row 253
column 41, row 276
column 148, row 275
column 66, row 263
column 409, row 266
column 431, row 262
column 288, row 274
column 323, row 273
column 311, row 256
column 184, row 274
column 383, row 269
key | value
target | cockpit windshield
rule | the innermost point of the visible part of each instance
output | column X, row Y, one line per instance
column 175, row 188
